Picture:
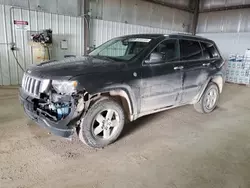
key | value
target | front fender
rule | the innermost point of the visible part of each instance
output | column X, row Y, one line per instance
column 95, row 84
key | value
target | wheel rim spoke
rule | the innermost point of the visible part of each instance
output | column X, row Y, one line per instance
column 100, row 119
column 106, row 124
column 114, row 123
column 211, row 98
column 109, row 115
column 98, row 130
column 106, row 133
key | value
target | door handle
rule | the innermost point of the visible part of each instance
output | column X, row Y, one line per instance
column 206, row 64
column 178, row 68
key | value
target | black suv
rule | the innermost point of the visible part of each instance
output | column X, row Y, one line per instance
column 123, row 79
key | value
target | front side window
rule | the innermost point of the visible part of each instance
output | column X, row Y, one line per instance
column 209, row 50
column 121, row 48
column 166, row 51
column 190, row 50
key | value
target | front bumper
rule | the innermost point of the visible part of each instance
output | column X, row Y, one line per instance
column 61, row 128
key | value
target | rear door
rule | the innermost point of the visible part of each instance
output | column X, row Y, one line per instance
column 195, row 69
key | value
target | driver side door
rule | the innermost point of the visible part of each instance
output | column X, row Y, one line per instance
column 162, row 79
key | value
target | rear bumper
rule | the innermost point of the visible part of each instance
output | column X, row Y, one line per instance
column 61, row 128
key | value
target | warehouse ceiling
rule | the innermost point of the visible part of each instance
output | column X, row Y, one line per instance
column 205, row 5
column 186, row 5
column 221, row 5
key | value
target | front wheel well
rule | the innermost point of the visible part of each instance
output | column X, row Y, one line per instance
column 119, row 96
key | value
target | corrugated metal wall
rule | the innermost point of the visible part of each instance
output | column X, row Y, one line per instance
column 209, row 4
column 224, row 21
column 104, row 30
column 230, row 43
column 64, row 27
column 65, row 7
column 138, row 12
column 230, row 29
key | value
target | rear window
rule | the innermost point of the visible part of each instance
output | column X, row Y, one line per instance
column 209, row 50
column 190, row 50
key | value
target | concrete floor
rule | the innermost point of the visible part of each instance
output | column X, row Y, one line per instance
column 173, row 149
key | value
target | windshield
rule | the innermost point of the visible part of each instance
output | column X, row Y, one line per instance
column 121, row 48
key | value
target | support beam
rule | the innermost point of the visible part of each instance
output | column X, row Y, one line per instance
column 226, row 8
column 86, row 25
column 195, row 16
column 170, row 5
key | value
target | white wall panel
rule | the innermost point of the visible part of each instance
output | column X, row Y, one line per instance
column 105, row 30
column 139, row 12
column 208, row 4
column 224, row 21
column 64, row 27
column 64, row 7
column 230, row 43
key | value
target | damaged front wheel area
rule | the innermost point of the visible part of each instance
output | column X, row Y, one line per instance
column 102, row 124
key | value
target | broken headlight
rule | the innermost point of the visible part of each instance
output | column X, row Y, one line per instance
column 64, row 87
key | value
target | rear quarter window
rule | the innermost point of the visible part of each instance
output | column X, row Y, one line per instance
column 209, row 50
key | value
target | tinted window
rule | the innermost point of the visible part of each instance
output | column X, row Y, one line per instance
column 169, row 49
column 190, row 50
column 209, row 50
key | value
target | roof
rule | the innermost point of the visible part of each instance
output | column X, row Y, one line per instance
column 145, row 35
column 176, row 35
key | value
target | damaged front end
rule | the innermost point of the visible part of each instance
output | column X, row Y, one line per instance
column 55, row 105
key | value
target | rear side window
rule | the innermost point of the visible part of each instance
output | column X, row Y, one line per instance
column 209, row 50
column 190, row 50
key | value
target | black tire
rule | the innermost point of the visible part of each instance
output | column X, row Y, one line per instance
column 201, row 105
column 86, row 132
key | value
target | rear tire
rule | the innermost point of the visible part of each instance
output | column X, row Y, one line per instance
column 209, row 99
column 102, row 124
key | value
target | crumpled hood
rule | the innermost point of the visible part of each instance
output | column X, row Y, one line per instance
column 70, row 67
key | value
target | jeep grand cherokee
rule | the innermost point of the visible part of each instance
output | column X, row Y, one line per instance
column 123, row 79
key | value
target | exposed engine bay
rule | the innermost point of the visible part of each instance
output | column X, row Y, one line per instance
column 54, row 106
column 57, row 107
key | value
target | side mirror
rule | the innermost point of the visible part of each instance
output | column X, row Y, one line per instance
column 155, row 57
